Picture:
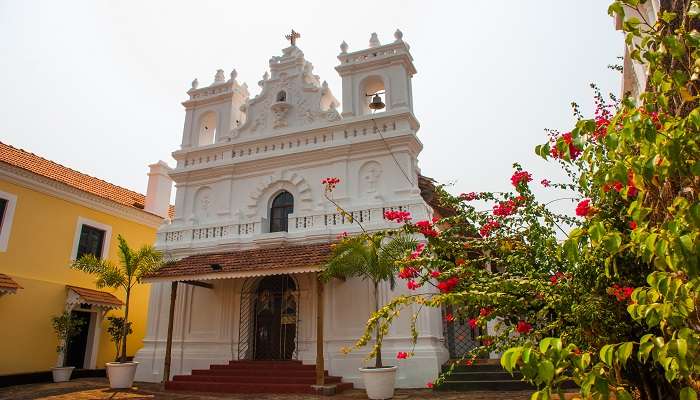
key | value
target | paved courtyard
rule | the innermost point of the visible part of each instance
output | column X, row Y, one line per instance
column 97, row 388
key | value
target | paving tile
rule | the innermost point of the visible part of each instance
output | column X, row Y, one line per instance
column 97, row 389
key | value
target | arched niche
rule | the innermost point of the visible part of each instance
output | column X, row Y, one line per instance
column 369, row 86
column 207, row 128
column 203, row 205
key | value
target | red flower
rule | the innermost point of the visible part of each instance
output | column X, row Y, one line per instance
column 472, row 323
column 469, row 196
column 486, row 229
column 520, row 177
column 523, row 327
column 330, row 183
column 426, row 228
column 574, row 151
column 545, row 182
column 633, row 225
column 412, row 285
column 402, row 355
column 583, row 209
column 554, row 279
column 506, row 208
column 408, row 272
column 485, row 311
column 459, row 261
column 447, row 285
column 622, row 293
column 398, row 215
column 435, row 274
column 342, row 235
column 449, row 317
column 429, row 385
column 577, row 351
column 469, row 362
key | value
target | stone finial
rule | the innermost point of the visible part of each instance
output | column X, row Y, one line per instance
column 343, row 47
column 234, row 74
column 195, row 83
column 398, row 35
column 219, row 77
column 324, row 85
column 374, row 40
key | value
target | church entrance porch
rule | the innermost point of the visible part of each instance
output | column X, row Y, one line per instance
column 269, row 319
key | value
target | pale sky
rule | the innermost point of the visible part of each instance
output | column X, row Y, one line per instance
column 97, row 85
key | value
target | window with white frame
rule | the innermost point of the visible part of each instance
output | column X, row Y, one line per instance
column 91, row 237
column 8, row 202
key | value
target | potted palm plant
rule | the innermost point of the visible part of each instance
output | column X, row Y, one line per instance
column 116, row 332
column 65, row 326
column 133, row 266
column 371, row 256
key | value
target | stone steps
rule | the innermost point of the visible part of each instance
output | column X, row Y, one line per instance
column 482, row 376
column 254, row 377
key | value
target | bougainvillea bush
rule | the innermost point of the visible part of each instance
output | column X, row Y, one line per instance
column 604, row 299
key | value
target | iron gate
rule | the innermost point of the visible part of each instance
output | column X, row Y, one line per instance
column 269, row 319
column 460, row 338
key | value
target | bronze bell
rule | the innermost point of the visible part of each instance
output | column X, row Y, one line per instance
column 376, row 103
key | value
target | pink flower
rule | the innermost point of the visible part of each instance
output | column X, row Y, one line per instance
column 520, row 177
column 429, row 385
column 449, row 317
column 472, row 323
column 435, row 274
column 342, row 236
column 545, row 182
column 523, row 327
column 489, row 226
column 469, row 362
column 505, row 208
column 412, row 285
column 633, row 225
column 485, row 311
column 402, row 355
column 418, row 251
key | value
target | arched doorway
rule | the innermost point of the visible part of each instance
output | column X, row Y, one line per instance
column 269, row 316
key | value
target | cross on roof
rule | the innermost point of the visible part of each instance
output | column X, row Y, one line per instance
column 292, row 37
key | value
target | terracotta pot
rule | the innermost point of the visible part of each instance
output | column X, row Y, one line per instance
column 121, row 375
column 379, row 382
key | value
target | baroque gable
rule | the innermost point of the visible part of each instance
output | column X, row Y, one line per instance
column 291, row 97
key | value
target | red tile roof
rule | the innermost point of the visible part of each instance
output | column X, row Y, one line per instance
column 8, row 284
column 265, row 259
column 92, row 296
column 52, row 170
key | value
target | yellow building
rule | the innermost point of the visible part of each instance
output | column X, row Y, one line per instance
column 49, row 215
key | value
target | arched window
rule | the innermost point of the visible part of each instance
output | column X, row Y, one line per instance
column 282, row 206
column 282, row 96
column 207, row 129
column 368, row 87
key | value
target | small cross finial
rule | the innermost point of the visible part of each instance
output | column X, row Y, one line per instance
column 292, row 37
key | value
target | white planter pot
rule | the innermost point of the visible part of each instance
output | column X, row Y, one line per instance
column 62, row 374
column 121, row 376
column 379, row 382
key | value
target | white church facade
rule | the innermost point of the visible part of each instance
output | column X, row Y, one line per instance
column 252, row 227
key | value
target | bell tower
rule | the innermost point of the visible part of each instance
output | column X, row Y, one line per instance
column 380, row 69
column 213, row 111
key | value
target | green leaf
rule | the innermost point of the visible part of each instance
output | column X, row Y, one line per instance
column 687, row 393
column 616, row 8
column 596, row 231
column 606, row 354
column 612, row 242
column 546, row 371
column 624, row 352
column 694, row 9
